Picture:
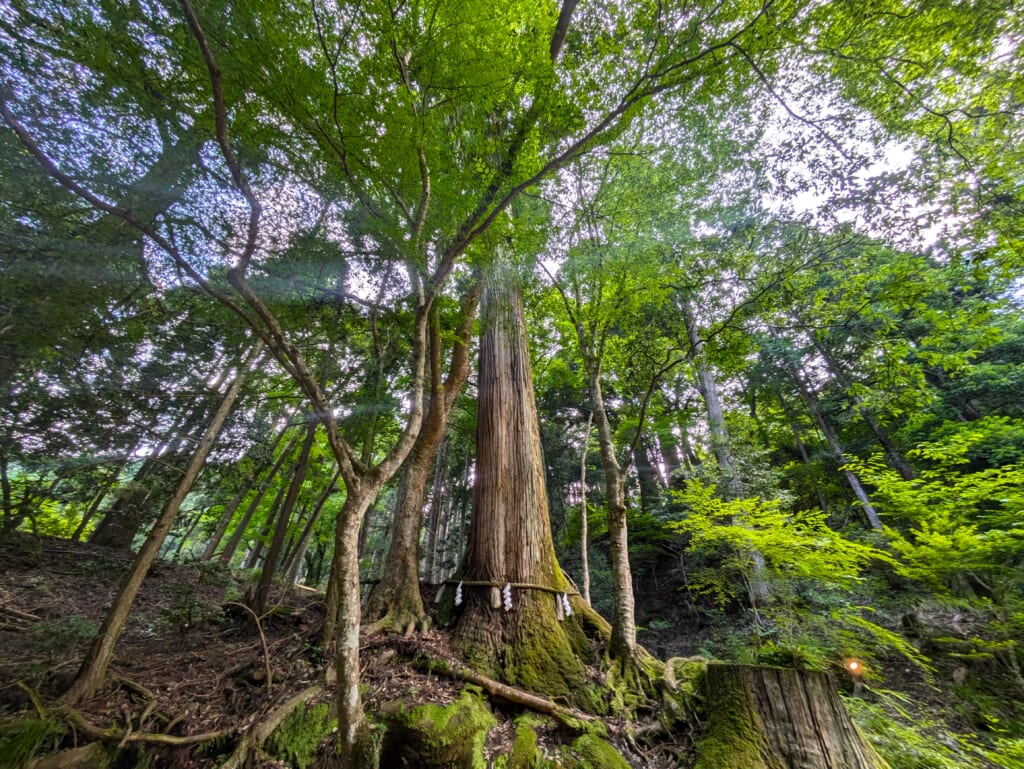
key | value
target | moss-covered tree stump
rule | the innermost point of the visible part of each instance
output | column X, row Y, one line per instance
column 776, row 718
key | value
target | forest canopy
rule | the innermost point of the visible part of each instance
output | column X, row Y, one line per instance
column 629, row 330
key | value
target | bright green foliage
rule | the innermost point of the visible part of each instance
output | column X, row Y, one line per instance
column 24, row 739
column 813, row 572
column 957, row 522
column 910, row 742
column 795, row 545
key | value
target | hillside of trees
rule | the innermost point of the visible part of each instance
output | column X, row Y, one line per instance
column 534, row 385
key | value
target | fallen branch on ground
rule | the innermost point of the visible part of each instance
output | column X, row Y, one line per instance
column 563, row 715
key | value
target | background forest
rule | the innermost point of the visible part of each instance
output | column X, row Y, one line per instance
column 768, row 257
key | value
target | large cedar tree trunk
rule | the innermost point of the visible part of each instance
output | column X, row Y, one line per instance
column 510, row 533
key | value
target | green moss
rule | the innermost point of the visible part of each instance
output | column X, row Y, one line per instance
column 730, row 739
column 591, row 752
column 436, row 737
column 296, row 740
column 545, row 661
column 681, row 685
column 524, row 750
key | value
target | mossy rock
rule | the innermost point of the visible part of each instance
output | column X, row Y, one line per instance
column 296, row 740
column 437, row 737
column 591, row 752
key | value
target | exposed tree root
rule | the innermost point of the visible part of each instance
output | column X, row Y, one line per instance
column 395, row 621
column 78, row 721
column 567, row 717
column 259, row 732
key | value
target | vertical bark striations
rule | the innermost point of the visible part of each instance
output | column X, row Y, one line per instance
column 510, row 533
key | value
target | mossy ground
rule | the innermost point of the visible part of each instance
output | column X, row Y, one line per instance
column 296, row 740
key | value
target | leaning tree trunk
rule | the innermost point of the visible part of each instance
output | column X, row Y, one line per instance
column 127, row 516
column 512, row 584
column 776, row 718
column 262, row 595
column 94, row 667
column 832, row 439
column 236, row 536
column 246, row 486
column 297, row 557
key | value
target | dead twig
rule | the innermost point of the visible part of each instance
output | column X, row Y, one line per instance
column 263, row 639
column 22, row 615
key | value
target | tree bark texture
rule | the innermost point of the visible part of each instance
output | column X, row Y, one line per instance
column 516, row 634
column 584, row 523
column 94, row 667
column 158, row 473
column 396, row 599
column 775, row 718
column 623, row 640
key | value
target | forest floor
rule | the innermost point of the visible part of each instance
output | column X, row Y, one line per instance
column 192, row 660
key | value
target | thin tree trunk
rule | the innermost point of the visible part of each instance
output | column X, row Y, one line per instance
column 191, row 527
column 650, row 480
column 435, row 518
column 721, row 446
column 97, row 500
column 256, row 552
column 233, row 505
column 236, row 536
column 94, row 667
column 126, row 517
column 842, row 375
column 262, row 594
column 837, row 450
column 395, row 602
column 295, row 563
column 885, row 441
column 584, row 528
column 802, row 449
column 623, row 641
column 5, row 485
